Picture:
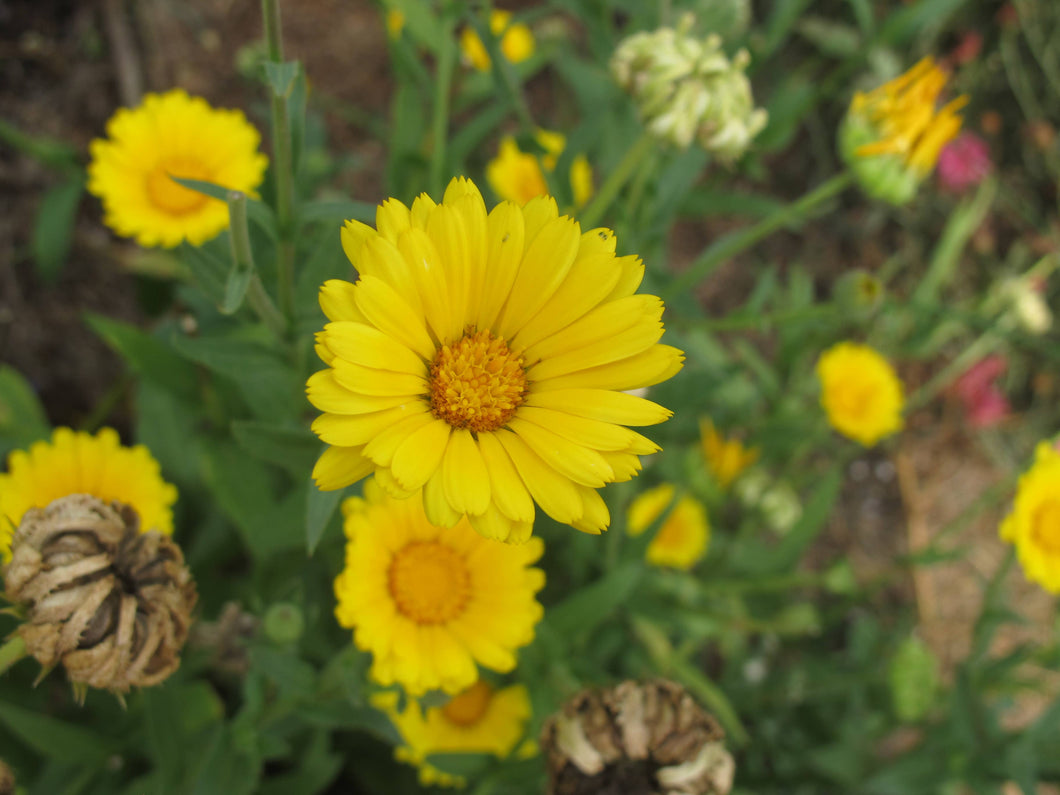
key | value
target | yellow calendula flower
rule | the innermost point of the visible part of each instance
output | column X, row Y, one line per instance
column 726, row 458
column 395, row 22
column 172, row 135
column 430, row 602
column 517, row 41
column 684, row 535
column 1034, row 524
column 79, row 463
column 519, row 176
column 479, row 720
column 481, row 357
column 860, row 392
column 892, row 136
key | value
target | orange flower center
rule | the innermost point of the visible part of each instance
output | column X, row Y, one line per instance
column 468, row 707
column 429, row 582
column 169, row 197
column 1045, row 526
column 477, row 383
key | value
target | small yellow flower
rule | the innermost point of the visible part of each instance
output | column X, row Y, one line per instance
column 479, row 720
column 172, row 135
column 78, row 463
column 726, row 458
column 395, row 22
column 684, row 535
column 519, row 176
column 892, row 136
column 517, row 41
column 430, row 602
column 1034, row 523
column 860, row 392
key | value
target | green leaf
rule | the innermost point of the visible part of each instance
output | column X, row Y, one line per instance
column 336, row 210
column 779, row 26
column 580, row 613
column 319, row 510
column 208, row 271
column 54, row 227
column 258, row 212
column 54, row 738
column 914, row 679
column 295, row 449
column 280, row 77
column 831, row 38
column 22, row 417
column 791, row 99
column 917, row 20
column 420, row 20
column 162, row 718
column 465, row 765
column 148, row 357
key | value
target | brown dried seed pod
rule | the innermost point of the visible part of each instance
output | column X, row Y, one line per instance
column 110, row 603
column 636, row 739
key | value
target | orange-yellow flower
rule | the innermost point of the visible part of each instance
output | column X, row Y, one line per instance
column 1034, row 523
column 860, row 392
column 726, row 458
column 684, row 534
column 517, row 41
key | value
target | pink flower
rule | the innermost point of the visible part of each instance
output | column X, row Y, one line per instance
column 981, row 397
column 963, row 163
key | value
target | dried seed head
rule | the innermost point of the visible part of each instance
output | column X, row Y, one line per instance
column 636, row 739
column 7, row 779
column 110, row 603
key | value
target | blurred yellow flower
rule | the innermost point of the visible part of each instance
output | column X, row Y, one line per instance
column 1034, row 523
column 430, row 602
column 860, row 392
column 172, row 135
column 395, row 22
column 79, row 463
column 517, row 176
column 479, row 720
column 517, row 41
column 726, row 458
column 684, row 535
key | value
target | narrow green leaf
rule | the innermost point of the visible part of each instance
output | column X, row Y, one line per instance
column 54, row 227
column 295, row 449
column 148, row 357
column 258, row 212
column 831, row 38
column 54, row 738
column 208, row 270
column 162, row 717
column 280, row 77
column 22, row 417
column 580, row 613
column 815, row 513
column 320, row 508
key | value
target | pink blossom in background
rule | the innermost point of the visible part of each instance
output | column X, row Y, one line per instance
column 981, row 397
column 963, row 163
column 971, row 44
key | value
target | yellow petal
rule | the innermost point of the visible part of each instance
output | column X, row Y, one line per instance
column 351, row 431
column 466, row 481
column 382, row 448
column 604, row 405
column 508, row 490
column 555, row 493
column 435, row 505
column 419, row 456
column 581, row 431
column 428, row 272
column 649, row 367
column 631, row 273
column 625, row 465
column 338, row 467
column 391, row 219
column 337, row 301
column 368, row 346
column 506, row 235
column 595, row 517
column 326, row 394
column 373, row 381
column 571, row 460
column 354, row 234
column 387, row 311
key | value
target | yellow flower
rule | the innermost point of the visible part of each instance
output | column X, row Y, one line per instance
column 429, row 602
column 395, row 22
column 1034, row 524
column 726, row 458
column 684, row 535
column 482, row 357
column 892, row 136
column 480, row 720
column 517, row 42
column 517, row 176
column 172, row 134
column 78, row 463
column 860, row 392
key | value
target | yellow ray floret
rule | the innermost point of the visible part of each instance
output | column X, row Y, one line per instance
column 172, row 135
column 79, row 463
column 516, row 41
column 479, row 363
column 725, row 458
column 1034, row 523
column 860, row 393
column 683, row 536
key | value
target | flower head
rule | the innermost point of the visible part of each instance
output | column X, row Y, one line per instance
column 860, row 392
column 1034, row 523
column 478, row 720
column 519, row 176
column 172, row 135
column 726, row 458
column 963, row 163
column 687, row 89
column 395, row 23
column 517, row 41
column 892, row 136
column 983, row 400
column 682, row 538
column 78, row 463
column 430, row 602
column 481, row 357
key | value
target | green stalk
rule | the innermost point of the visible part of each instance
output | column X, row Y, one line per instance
column 11, row 652
column 594, row 211
column 731, row 245
column 440, row 119
column 284, row 169
column 244, row 256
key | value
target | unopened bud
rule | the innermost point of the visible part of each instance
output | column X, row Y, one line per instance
column 859, row 292
column 283, row 623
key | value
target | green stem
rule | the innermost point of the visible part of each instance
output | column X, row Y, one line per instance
column 244, row 256
column 11, row 652
column 106, row 404
column 741, row 321
column 284, row 169
column 440, row 119
column 731, row 245
column 594, row 211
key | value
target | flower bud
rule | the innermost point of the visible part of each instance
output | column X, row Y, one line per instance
column 687, row 89
column 111, row 604
column 283, row 623
column 1027, row 305
column 650, row 737
column 859, row 292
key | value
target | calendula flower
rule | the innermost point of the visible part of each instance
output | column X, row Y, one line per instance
column 860, row 393
column 395, row 23
column 79, row 463
column 517, row 41
column 892, row 136
column 1034, row 523
column 682, row 538
column 481, row 357
column 726, row 458
column 430, row 602
column 172, row 135
column 478, row 720
column 520, row 176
